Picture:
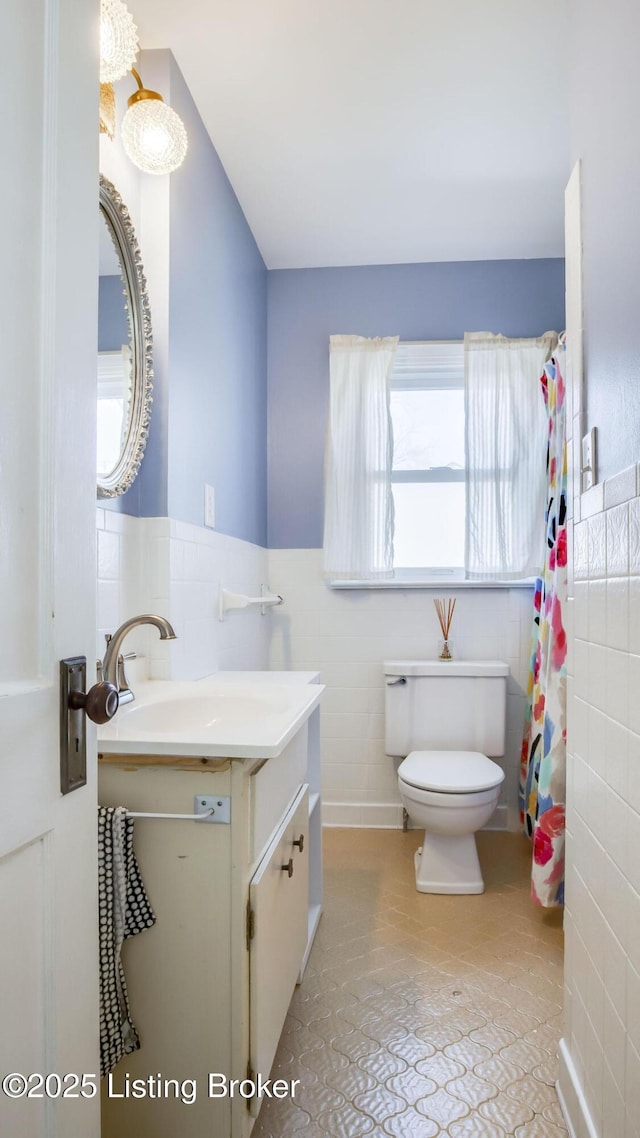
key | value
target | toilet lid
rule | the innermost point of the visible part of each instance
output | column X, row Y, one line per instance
column 452, row 772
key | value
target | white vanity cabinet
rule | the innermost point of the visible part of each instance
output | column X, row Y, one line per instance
column 237, row 905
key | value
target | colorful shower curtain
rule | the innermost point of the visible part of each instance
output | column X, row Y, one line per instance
column 543, row 763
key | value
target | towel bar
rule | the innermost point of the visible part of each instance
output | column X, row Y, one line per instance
column 183, row 817
column 228, row 601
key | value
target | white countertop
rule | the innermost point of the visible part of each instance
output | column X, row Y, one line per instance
column 230, row 714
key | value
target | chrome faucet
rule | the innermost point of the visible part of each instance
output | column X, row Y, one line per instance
column 113, row 664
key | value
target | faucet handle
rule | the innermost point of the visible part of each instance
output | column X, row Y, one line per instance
column 123, row 683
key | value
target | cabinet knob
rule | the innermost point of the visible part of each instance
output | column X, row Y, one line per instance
column 299, row 842
column 288, row 868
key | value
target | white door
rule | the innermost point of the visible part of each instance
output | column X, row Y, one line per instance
column 48, row 338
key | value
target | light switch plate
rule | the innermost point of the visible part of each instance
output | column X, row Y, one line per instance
column 209, row 506
column 588, row 465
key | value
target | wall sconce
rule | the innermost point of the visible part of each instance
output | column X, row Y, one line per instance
column 153, row 135
column 118, row 40
column 107, row 110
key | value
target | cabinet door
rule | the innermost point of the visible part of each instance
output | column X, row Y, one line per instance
column 278, row 896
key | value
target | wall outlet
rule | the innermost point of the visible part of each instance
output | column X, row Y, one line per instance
column 209, row 506
column 588, row 464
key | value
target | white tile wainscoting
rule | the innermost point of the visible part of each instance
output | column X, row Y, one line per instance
column 176, row 569
column 600, row 1050
column 119, row 577
column 347, row 634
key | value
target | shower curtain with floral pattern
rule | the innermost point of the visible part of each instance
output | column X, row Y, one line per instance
column 543, row 762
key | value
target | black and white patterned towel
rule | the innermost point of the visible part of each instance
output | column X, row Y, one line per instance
column 123, row 911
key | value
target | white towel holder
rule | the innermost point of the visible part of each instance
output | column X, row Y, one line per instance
column 183, row 817
column 229, row 601
column 214, row 808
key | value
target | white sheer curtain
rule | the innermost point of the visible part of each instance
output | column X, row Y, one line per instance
column 506, row 444
column 358, row 508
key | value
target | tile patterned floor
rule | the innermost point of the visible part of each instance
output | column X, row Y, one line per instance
column 423, row 1015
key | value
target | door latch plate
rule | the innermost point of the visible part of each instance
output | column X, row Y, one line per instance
column 73, row 726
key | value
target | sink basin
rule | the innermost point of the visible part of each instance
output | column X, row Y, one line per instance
column 240, row 719
column 202, row 712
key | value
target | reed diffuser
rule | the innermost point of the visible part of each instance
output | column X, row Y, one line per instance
column 444, row 609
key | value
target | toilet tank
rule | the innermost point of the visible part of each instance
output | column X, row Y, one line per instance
column 448, row 705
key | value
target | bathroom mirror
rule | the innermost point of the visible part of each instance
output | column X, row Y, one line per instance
column 125, row 369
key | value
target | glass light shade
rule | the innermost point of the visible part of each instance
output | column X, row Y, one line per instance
column 154, row 137
column 107, row 110
column 118, row 40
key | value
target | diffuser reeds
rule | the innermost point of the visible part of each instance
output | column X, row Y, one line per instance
column 445, row 608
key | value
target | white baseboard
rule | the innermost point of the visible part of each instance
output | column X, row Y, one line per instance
column 383, row 815
column 514, row 825
column 573, row 1103
column 499, row 819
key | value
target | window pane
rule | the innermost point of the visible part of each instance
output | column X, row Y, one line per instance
column 429, row 524
column 428, row 429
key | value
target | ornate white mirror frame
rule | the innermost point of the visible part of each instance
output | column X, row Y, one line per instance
column 116, row 216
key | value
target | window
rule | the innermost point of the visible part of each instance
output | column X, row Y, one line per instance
column 428, row 474
column 460, row 460
column 114, row 405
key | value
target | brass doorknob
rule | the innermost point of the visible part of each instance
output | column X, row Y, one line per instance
column 299, row 842
column 288, row 868
column 100, row 703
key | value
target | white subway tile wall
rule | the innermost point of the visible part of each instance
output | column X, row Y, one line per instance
column 600, row 1052
column 119, row 539
column 347, row 635
column 175, row 569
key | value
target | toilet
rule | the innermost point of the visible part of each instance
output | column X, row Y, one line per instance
column 445, row 718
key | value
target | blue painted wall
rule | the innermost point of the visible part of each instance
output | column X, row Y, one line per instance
column 113, row 326
column 417, row 302
column 217, row 344
column 604, row 135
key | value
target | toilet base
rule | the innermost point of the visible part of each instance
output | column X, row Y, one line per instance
column 448, row 864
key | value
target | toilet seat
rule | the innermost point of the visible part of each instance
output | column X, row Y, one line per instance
column 418, row 796
column 450, row 772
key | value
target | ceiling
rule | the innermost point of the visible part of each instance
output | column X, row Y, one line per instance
column 381, row 131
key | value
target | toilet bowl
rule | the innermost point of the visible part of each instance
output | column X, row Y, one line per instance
column 451, row 794
column 447, row 718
